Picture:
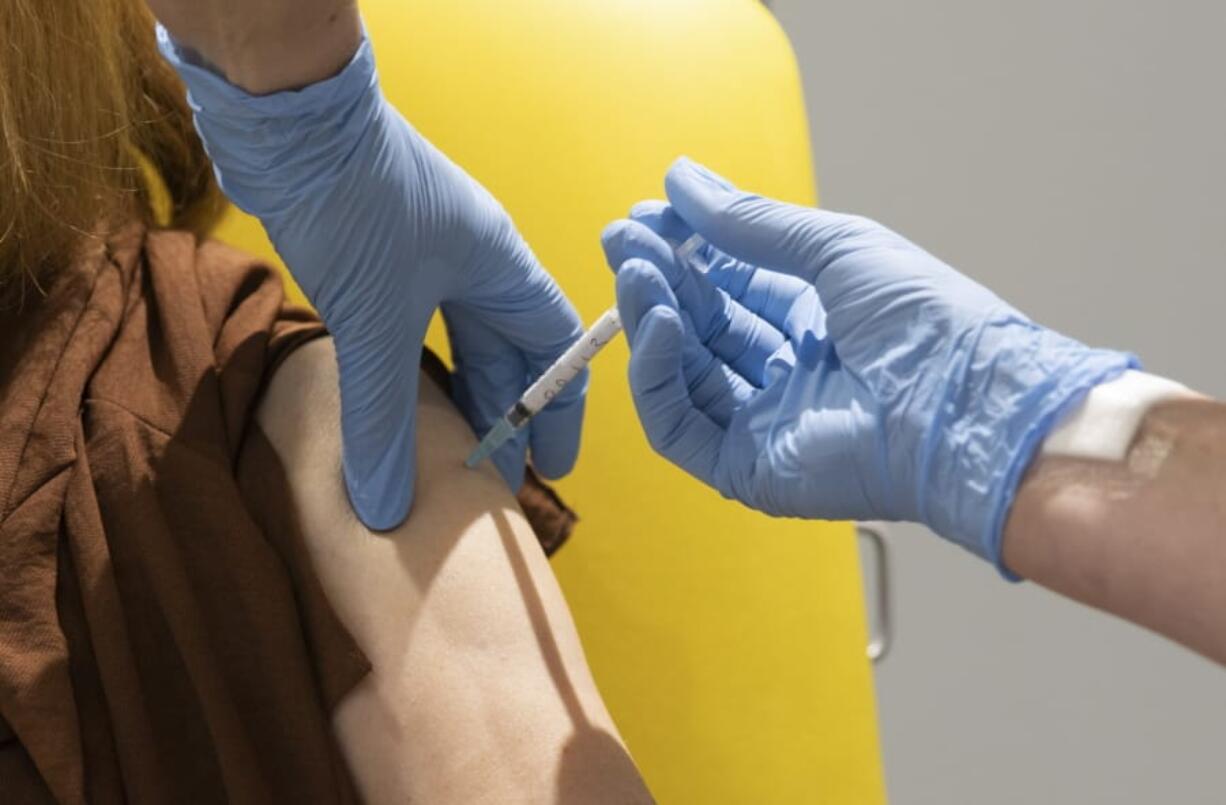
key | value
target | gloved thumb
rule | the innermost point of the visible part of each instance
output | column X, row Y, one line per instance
column 772, row 234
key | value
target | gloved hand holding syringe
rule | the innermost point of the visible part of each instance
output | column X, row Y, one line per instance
column 564, row 370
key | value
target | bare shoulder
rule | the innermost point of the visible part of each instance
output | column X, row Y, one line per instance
column 480, row 690
column 300, row 414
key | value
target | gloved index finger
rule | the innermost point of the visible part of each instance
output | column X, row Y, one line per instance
column 378, row 390
column 556, row 431
column 765, row 293
column 771, row 234
column 524, row 306
column 744, row 341
column 661, row 218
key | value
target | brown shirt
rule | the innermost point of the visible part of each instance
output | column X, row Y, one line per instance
column 163, row 636
column 160, row 640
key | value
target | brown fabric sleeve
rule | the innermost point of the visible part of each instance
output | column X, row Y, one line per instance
column 20, row 782
column 162, row 636
column 339, row 663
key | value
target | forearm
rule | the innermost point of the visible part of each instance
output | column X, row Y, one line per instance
column 266, row 45
column 1144, row 539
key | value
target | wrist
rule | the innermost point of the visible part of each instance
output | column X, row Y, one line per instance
column 304, row 162
column 1103, row 425
column 979, row 464
column 1094, row 473
column 1142, row 537
column 270, row 152
column 267, row 46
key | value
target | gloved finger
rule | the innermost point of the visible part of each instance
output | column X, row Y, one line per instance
column 555, row 432
column 789, row 303
column 742, row 340
column 675, row 428
column 783, row 237
column 714, row 387
column 765, row 293
column 626, row 240
column 520, row 301
column 661, row 218
column 488, row 377
column 768, row 294
column 524, row 307
column 378, row 390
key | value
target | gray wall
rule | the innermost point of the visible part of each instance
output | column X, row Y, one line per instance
column 1071, row 155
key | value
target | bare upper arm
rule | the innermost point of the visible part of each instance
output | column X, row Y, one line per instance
column 480, row 690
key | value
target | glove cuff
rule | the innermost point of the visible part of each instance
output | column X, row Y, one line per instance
column 270, row 152
column 210, row 93
column 1066, row 392
column 285, row 157
column 980, row 450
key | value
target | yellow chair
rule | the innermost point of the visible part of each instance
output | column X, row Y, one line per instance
column 730, row 647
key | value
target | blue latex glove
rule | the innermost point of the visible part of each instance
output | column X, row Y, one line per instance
column 825, row 367
column 380, row 229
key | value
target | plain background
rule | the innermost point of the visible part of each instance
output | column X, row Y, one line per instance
column 1072, row 156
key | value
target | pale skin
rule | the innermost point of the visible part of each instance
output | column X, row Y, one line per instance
column 265, row 46
column 1144, row 539
column 480, row 691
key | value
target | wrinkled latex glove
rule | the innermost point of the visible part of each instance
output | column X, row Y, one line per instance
column 380, row 229
column 824, row 367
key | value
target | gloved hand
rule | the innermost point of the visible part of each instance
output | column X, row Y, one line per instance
column 825, row 367
column 380, row 229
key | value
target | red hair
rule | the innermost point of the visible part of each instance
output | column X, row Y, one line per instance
column 87, row 106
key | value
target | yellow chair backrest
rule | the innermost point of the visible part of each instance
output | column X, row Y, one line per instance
column 730, row 647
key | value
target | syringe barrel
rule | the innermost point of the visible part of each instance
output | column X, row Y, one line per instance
column 572, row 362
column 581, row 353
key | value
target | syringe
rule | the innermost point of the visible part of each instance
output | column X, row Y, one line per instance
column 564, row 370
